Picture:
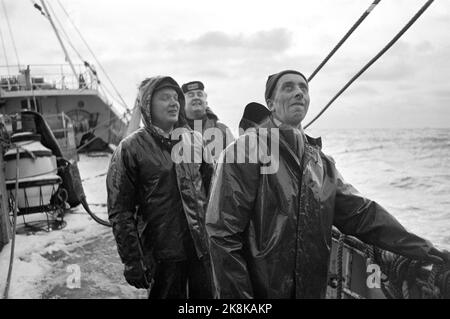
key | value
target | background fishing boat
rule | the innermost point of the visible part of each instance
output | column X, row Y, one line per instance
column 75, row 103
column 71, row 108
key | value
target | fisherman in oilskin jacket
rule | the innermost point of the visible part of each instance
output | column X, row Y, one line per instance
column 200, row 117
column 157, row 204
column 270, row 231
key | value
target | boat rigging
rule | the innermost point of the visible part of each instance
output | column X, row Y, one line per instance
column 371, row 62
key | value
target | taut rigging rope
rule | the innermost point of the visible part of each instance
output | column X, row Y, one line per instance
column 4, row 51
column 346, row 36
column 371, row 62
column 93, row 54
column 65, row 33
column 11, row 34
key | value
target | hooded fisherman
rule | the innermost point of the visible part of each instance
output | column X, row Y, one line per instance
column 157, row 202
column 201, row 118
column 270, row 232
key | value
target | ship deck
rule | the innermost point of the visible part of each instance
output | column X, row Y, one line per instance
column 45, row 261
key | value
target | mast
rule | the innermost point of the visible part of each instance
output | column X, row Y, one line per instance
column 60, row 40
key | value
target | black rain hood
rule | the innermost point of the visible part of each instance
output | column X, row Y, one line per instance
column 144, row 98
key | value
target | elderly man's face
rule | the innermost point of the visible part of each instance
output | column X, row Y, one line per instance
column 165, row 108
column 290, row 100
column 195, row 104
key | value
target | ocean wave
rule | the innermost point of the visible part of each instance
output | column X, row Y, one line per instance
column 431, row 148
column 446, row 240
column 364, row 149
column 407, row 170
column 432, row 156
column 413, row 208
column 434, row 139
column 410, row 182
column 403, row 182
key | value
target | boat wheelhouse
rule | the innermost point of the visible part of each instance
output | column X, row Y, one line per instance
column 74, row 107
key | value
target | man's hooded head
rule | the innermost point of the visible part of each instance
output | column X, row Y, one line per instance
column 161, row 99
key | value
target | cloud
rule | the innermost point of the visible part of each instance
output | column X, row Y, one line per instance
column 12, row 7
column 424, row 47
column 392, row 70
column 364, row 90
column 441, row 94
column 275, row 40
column 210, row 73
column 443, row 19
column 402, row 62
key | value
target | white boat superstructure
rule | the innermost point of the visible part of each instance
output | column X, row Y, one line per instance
column 72, row 106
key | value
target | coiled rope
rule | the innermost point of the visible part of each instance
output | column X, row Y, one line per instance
column 401, row 277
column 405, row 279
column 340, row 275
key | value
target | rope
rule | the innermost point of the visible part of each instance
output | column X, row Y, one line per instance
column 368, row 65
column 402, row 278
column 93, row 54
column 346, row 36
column 58, row 36
column 429, row 289
column 94, row 217
column 407, row 276
column 64, row 32
column 445, row 286
column 4, row 51
column 93, row 177
column 339, row 288
column 352, row 294
column 370, row 255
column 405, row 290
column 107, row 92
column 11, row 34
column 13, row 242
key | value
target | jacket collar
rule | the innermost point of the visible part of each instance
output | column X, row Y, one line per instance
column 312, row 145
column 269, row 122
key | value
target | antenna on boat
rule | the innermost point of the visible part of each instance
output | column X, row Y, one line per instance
column 59, row 39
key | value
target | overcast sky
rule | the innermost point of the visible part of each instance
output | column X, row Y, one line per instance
column 232, row 46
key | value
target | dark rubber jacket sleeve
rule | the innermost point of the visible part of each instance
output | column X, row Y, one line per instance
column 121, row 187
column 365, row 219
column 227, row 218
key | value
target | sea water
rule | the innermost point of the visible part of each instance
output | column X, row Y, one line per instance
column 407, row 171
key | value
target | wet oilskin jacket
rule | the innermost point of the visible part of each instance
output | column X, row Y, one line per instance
column 270, row 234
column 156, row 201
column 212, row 121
